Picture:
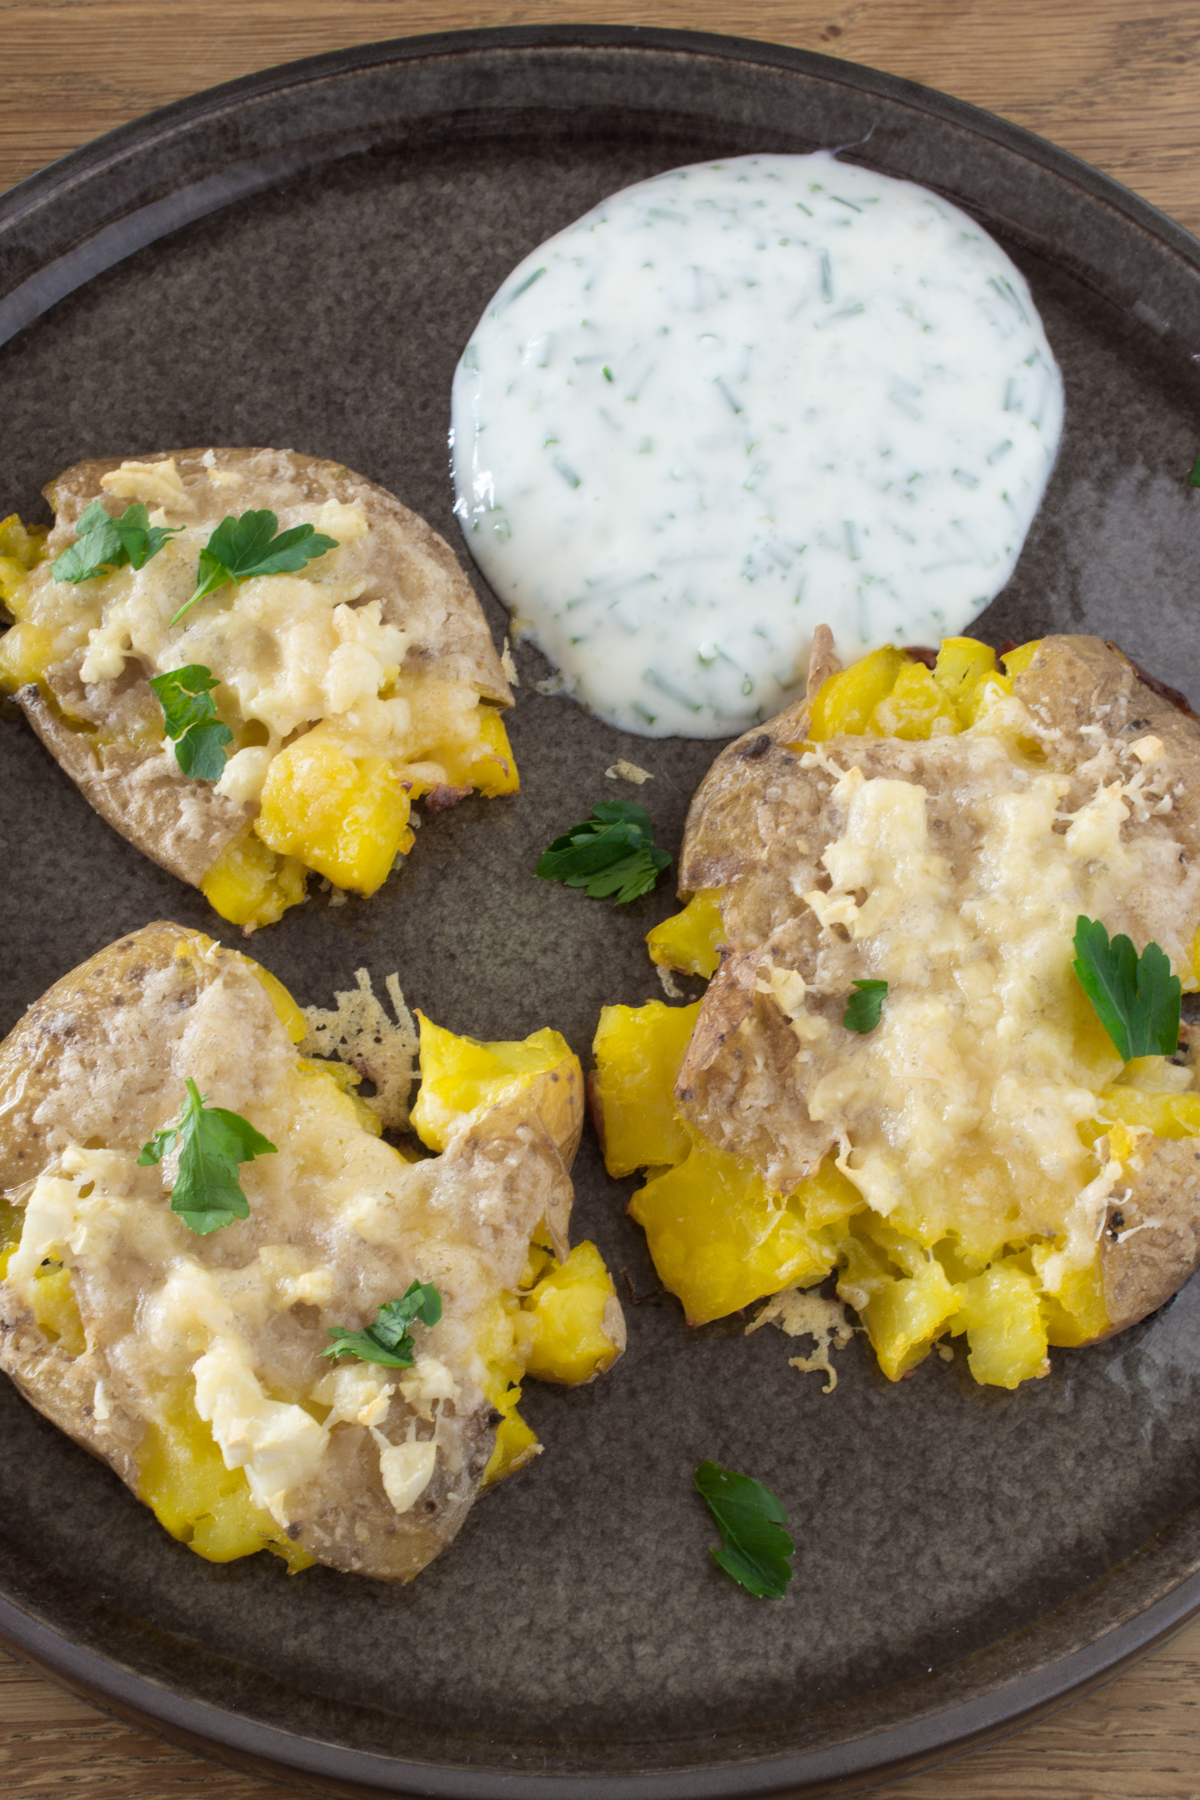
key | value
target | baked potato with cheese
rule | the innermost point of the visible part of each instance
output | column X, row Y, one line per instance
column 347, row 687
column 976, row 1156
column 190, row 1358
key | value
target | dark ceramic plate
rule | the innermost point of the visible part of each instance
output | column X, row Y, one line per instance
column 297, row 260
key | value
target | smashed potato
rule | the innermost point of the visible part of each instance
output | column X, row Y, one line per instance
column 197, row 1359
column 979, row 1159
column 346, row 690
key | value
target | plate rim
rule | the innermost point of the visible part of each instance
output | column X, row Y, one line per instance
column 235, row 1738
column 927, row 1742
column 133, row 228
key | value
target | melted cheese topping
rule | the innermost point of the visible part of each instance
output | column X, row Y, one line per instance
column 277, row 1444
column 406, row 1469
column 289, row 651
column 960, row 1110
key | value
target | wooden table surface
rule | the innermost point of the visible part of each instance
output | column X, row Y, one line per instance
column 1115, row 81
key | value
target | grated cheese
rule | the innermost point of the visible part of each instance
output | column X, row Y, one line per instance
column 801, row 1314
column 358, row 1031
column 967, row 1096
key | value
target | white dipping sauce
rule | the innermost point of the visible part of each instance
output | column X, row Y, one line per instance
column 738, row 400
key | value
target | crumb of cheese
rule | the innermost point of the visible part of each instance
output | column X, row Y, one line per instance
column 357, row 1030
column 627, row 771
column 808, row 1315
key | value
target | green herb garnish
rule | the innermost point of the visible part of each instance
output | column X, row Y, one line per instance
column 1194, row 477
column 1136, row 997
column 105, row 543
column 613, row 850
column 863, row 1009
column 190, row 718
column 241, row 548
column 754, row 1545
column 211, row 1143
column 389, row 1340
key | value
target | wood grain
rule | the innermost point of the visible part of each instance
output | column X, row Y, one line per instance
column 1137, row 1739
column 1115, row 81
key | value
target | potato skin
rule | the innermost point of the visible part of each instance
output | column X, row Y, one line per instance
column 1074, row 683
column 749, row 800
column 1151, row 1244
column 184, row 825
column 744, row 825
column 75, row 1011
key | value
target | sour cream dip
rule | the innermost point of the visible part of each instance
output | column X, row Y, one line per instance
column 735, row 401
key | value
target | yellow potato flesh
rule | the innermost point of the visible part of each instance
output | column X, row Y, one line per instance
column 183, row 1478
column 720, row 1240
column 690, row 940
column 916, row 707
column 516, row 1442
column 341, row 815
column 1001, row 1313
column 20, row 551
column 962, row 664
column 56, row 1311
column 289, row 1013
column 905, row 1309
column 27, row 648
column 460, row 1075
column 846, row 701
column 24, row 545
column 345, row 817
column 553, row 1329
column 1163, row 1115
column 638, row 1051
column 1075, row 1315
column 552, row 1332
column 251, row 886
column 26, row 652
column 887, row 695
column 11, row 1220
column 486, row 764
column 567, row 1306
column 346, row 1079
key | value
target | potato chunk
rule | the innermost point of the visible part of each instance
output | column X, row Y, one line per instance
column 575, row 1316
column 691, row 940
column 344, row 816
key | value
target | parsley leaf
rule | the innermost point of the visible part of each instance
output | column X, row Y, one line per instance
column 190, row 718
column 241, row 548
column 1136, row 997
column 1194, row 477
column 754, row 1545
column 863, row 1009
column 211, row 1143
column 388, row 1340
column 613, row 852
column 105, row 543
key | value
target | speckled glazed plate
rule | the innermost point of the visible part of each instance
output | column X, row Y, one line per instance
column 297, row 260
